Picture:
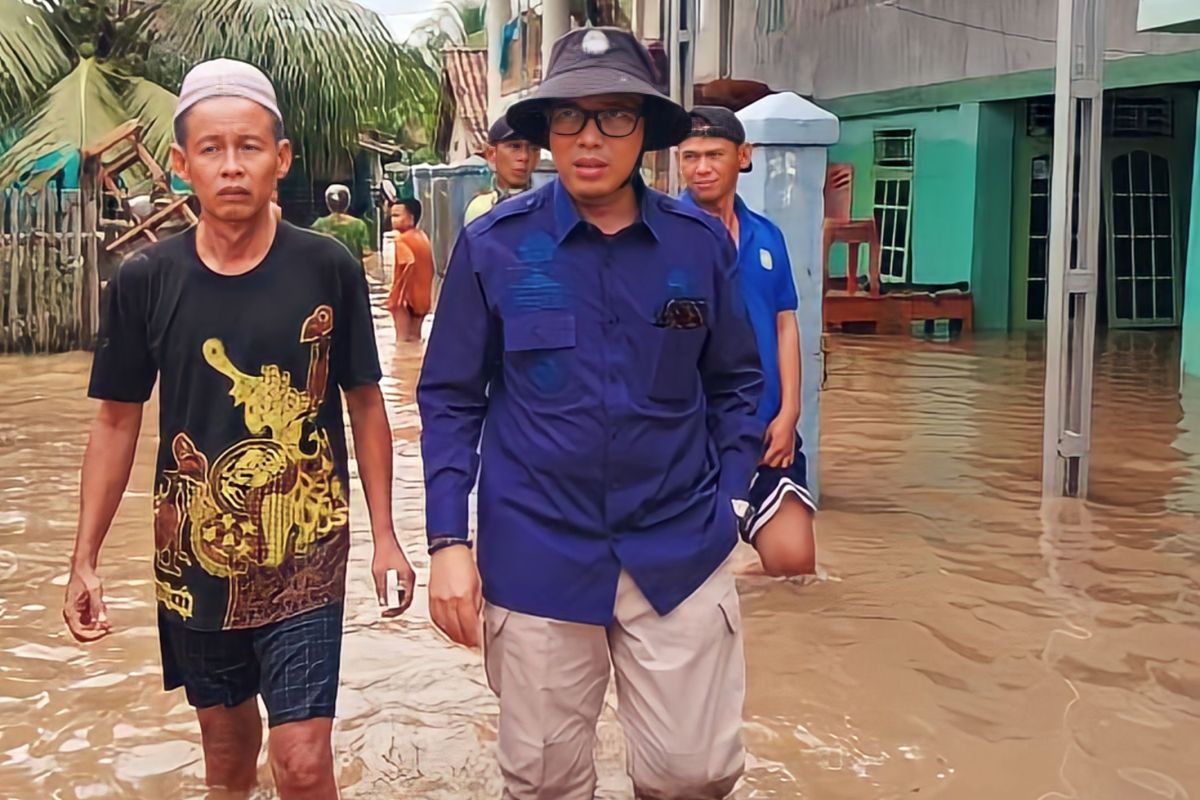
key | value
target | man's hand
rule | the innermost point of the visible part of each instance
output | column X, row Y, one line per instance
column 388, row 555
column 83, row 607
column 455, row 595
column 780, row 442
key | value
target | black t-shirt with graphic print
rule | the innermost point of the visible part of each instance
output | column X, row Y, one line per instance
column 251, row 494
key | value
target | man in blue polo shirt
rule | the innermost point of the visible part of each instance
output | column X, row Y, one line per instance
column 780, row 521
column 597, row 352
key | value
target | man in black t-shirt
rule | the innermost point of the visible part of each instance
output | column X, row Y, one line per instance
column 250, row 327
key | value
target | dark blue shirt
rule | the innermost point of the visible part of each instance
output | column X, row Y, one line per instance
column 765, row 278
column 605, row 441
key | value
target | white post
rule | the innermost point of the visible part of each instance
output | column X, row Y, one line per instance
column 556, row 20
column 1074, row 247
column 498, row 12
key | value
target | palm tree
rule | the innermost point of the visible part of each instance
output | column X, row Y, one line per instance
column 72, row 70
column 452, row 22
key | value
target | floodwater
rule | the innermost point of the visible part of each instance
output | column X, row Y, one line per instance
column 963, row 642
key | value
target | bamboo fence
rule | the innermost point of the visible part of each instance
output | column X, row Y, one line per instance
column 45, row 297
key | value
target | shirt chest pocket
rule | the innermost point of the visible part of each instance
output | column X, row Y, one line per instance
column 538, row 349
column 676, row 370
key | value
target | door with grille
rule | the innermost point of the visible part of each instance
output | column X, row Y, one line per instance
column 1143, row 269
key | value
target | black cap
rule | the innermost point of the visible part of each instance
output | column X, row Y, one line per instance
column 501, row 132
column 717, row 122
column 594, row 61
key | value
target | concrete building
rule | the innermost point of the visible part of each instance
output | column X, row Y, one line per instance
column 947, row 120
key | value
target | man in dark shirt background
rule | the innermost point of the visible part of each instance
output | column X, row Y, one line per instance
column 250, row 326
column 595, row 326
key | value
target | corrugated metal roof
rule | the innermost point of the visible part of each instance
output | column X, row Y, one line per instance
column 466, row 72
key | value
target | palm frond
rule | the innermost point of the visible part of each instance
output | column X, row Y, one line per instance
column 33, row 56
column 155, row 107
column 333, row 62
column 81, row 109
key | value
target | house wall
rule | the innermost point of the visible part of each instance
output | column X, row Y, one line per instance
column 460, row 142
column 961, row 197
column 944, row 179
column 991, row 266
column 1174, row 16
column 837, row 48
column 1190, row 329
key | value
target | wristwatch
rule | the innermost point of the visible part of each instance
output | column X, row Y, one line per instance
column 442, row 542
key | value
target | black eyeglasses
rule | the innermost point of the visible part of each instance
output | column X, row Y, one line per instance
column 616, row 123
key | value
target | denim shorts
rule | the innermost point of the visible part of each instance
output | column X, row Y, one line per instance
column 294, row 664
column 769, row 488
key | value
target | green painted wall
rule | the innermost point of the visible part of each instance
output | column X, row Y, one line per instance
column 943, row 193
column 1190, row 329
column 946, row 194
column 992, row 262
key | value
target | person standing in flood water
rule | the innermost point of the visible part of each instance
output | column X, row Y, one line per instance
column 411, row 296
column 779, row 523
column 250, row 326
column 594, row 336
column 341, row 225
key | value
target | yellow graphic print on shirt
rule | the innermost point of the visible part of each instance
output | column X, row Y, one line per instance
column 256, row 514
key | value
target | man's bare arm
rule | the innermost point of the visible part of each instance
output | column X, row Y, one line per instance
column 373, row 450
column 107, row 462
column 780, row 447
column 789, row 364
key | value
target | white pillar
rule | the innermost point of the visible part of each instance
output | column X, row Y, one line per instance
column 790, row 137
column 498, row 13
column 556, row 20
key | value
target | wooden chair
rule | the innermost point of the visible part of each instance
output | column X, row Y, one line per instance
column 119, row 151
column 839, row 227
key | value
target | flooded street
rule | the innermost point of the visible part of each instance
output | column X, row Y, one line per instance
column 964, row 643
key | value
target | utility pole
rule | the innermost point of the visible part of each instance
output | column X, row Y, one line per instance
column 1074, row 247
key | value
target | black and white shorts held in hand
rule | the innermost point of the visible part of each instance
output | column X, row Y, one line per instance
column 768, row 489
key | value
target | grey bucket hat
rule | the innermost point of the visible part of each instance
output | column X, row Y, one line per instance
column 595, row 61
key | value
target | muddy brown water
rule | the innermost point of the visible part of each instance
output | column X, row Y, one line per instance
column 964, row 641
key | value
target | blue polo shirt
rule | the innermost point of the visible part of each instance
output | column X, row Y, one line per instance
column 604, row 438
column 765, row 277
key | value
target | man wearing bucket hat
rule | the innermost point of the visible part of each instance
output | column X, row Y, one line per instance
column 595, row 349
column 512, row 160
column 780, row 522
column 252, row 330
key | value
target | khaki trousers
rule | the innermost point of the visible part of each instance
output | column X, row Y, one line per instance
column 681, row 681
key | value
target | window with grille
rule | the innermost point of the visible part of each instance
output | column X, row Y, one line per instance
column 1140, row 117
column 1039, row 116
column 1039, row 238
column 894, row 148
column 894, row 155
